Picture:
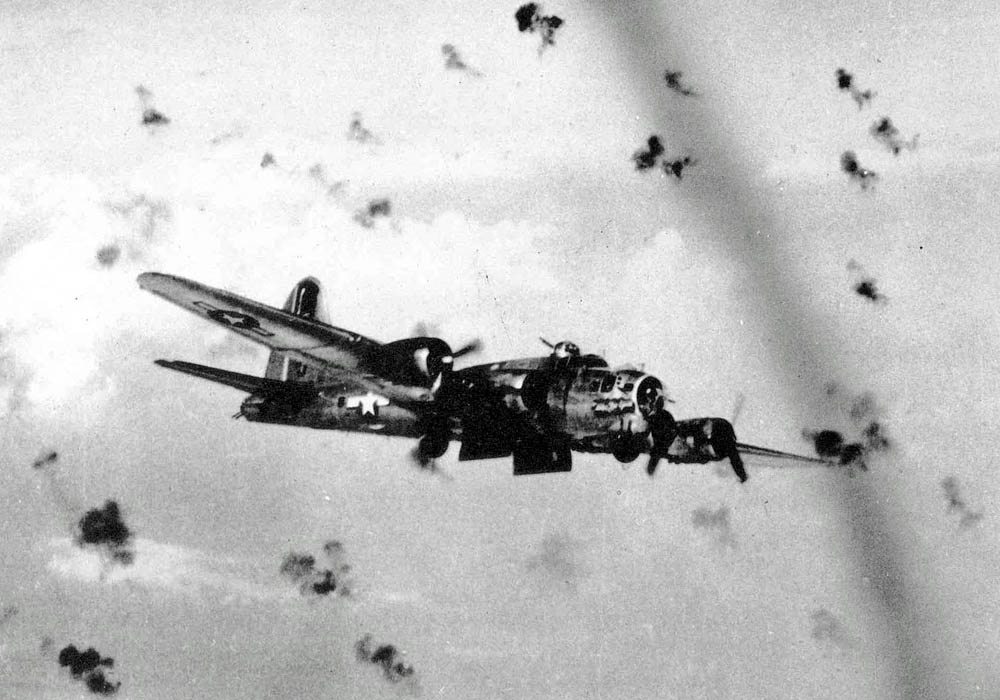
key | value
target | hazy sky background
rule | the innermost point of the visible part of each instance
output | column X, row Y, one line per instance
column 516, row 212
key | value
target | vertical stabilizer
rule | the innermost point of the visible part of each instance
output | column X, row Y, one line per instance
column 306, row 300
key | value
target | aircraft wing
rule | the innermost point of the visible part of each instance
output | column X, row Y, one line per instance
column 311, row 340
column 244, row 382
column 778, row 454
column 342, row 356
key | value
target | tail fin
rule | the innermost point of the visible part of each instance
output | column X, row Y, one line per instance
column 306, row 300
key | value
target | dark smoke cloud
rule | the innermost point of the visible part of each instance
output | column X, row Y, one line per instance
column 826, row 628
column 716, row 522
column 828, row 443
column 104, row 527
column 849, row 164
column 832, row 445
column 108, row 255
column 866, row 288
column 864, row 412
column 314, row 580
column 453, row 61
column 865, row 285
column 646, row 159
column 673, row 80
column 45, row 459
column 387, row 656
column 151, row 116
column 530, row 19
column 376, row 208
column 676, row 167
column 845, row 83
column 357, row 132
column 958, row 505
column 267, row 160
column 885, row 132
column 88, row 666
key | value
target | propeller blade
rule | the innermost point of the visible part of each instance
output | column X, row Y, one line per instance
column 654, row 461
column 547, row 343
column 473, row 346
column 428, row 464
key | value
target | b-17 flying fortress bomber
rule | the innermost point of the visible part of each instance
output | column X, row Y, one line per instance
column 537, row 410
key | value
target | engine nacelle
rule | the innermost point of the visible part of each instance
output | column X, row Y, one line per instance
column 420, row 362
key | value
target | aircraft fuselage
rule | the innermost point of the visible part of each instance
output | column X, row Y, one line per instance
column 585, row 401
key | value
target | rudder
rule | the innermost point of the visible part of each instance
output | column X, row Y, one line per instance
column 306, row 300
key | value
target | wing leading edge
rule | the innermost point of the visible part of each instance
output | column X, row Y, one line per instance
column 778, row 454
column 301, row 337
column 339, row 355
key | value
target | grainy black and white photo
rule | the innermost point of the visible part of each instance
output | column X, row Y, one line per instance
column 482, row 350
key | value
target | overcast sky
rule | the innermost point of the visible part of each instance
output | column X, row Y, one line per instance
column 516, row 211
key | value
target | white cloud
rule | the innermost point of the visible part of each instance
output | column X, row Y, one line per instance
column 224, row 221
column 170, row 567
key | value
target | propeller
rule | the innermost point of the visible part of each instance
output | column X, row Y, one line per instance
column 428, row 464
column 424, row 359
column 662, row 431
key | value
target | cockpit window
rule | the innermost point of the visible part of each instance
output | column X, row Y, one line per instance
column 608, row 383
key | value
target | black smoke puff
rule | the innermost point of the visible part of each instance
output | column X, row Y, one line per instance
column 828, row 443
column 387, row 656
column 356, row 131
column 844, row 79
column 673, row 80
column 850, row 165
column 845, row 82
column 526, row 16
column 88, row 666
column 376, row 208
column 886, row 133
column 530, row 19
column 453, row 61
column 105, row 527
column 45, row 459
column 646, row 159
column 313, row 580
column 108, row 255
column 676, row 167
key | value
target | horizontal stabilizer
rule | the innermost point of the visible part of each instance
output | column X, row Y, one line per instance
column 244, row 382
